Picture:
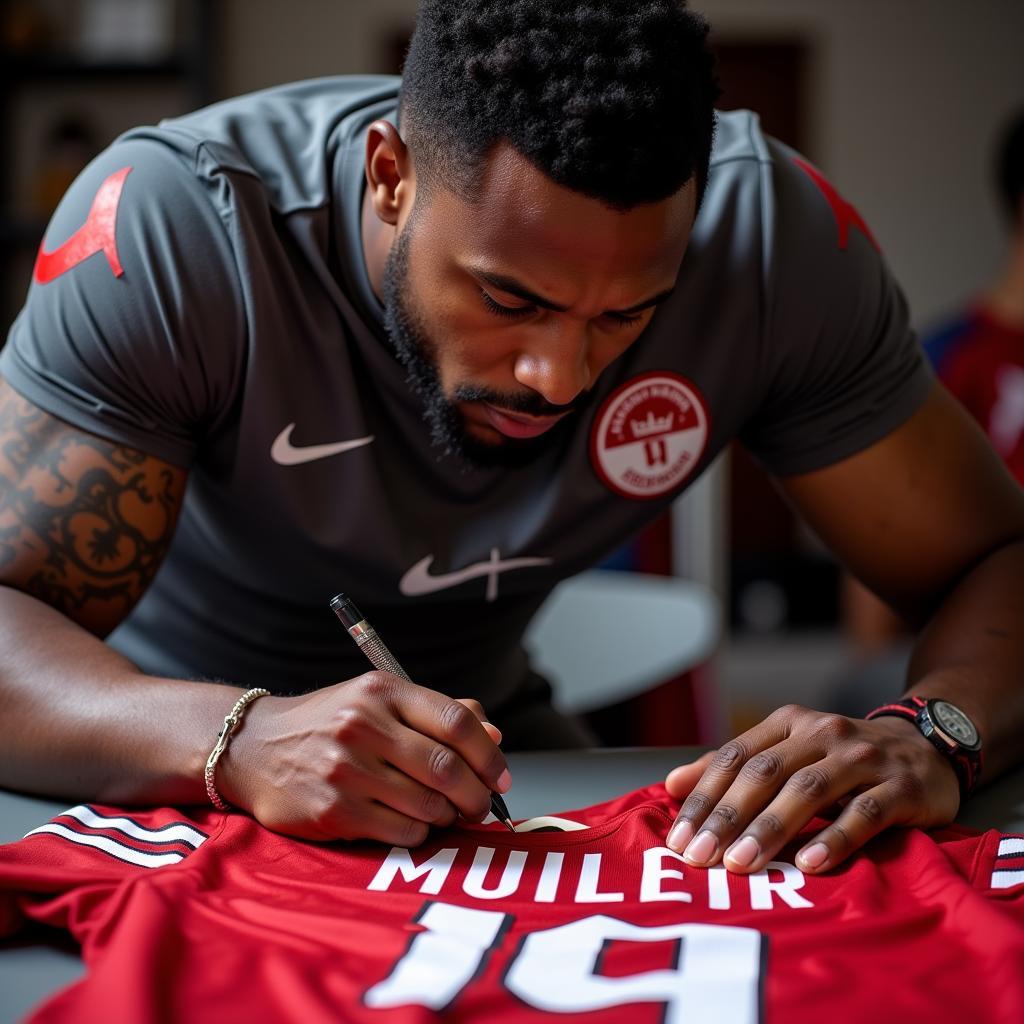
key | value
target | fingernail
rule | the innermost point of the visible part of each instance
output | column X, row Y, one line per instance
column 504, row 781
column 702, row 849
column 679, row 835
column 814, row 856
column 744, row 852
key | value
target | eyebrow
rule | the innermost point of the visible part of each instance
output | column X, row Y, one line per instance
column 513, row 287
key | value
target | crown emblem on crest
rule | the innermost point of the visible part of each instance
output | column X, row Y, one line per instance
column 651, row 426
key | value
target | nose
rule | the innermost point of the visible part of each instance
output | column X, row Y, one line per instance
column 556, row 364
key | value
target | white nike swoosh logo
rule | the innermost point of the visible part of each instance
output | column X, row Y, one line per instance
column 284, row 453
column 418, row 580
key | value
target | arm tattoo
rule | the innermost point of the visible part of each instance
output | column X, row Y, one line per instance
column 84, row 523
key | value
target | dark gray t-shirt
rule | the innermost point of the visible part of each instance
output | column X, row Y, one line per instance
column 230, row 328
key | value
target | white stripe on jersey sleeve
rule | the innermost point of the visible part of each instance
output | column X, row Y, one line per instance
column 1011, row 846
column 110, row 846
column 1004, row 879
column 176, row 833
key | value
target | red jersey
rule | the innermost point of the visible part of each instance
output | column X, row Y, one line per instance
column 209, row 916
column 981, row 360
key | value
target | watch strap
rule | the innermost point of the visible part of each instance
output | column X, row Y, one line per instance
column 966, row 763
column 908, row 708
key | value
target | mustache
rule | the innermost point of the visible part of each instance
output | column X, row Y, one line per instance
column 528, row 403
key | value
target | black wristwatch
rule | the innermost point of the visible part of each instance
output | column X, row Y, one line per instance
column 950, row 731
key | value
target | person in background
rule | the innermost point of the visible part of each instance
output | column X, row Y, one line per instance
column 979, row 356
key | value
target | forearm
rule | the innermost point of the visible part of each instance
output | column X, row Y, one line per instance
column 80, row 721
column 972, row 653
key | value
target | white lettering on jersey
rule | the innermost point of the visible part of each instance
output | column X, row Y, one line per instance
column 284, row 453
column 761, row 888
column 510, row 876
column 418, row 580
column 547, row 886
column 655, row 871
column 718, row 888
column 717, row 968
column 586, row 891
column 399, row 860
column 1006, row 421
column 441, row 961
column 436, row 874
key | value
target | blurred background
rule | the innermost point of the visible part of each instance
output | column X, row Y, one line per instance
column 900, row 102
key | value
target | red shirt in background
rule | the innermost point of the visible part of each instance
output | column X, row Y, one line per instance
column 981, row 360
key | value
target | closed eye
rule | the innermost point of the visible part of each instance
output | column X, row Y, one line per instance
column 624, row 319
column 513, row 312
column 517, row 312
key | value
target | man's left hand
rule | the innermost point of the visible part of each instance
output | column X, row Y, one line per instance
column 746, row 800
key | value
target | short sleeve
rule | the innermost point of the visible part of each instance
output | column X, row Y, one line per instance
column 133, row 327
column 841, row 367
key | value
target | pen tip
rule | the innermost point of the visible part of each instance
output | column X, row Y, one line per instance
column 345, row 608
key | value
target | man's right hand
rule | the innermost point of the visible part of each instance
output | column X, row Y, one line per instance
column 376, row 757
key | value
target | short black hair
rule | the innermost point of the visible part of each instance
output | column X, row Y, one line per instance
column 610, row 98
column 1010, row 167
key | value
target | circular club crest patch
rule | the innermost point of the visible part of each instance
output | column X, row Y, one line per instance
column 649, row 435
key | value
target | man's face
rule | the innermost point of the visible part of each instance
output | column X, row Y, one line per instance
column 506, row 311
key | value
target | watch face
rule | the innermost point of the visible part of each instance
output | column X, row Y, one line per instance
column 952, row 721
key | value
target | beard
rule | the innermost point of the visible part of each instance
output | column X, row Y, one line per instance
column 416, row 350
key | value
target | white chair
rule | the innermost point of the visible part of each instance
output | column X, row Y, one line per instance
column 603, row 636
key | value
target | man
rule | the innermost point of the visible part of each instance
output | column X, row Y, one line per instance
column 270, row 297
column 980, row 356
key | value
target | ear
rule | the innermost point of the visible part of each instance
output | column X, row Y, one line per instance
column 389, row 171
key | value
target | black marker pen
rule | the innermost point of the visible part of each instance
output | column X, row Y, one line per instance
column 380, row 657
